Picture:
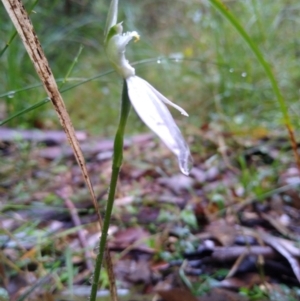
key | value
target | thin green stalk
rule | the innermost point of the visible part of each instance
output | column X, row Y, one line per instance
column 14, row 92
column 8, row 43
column 70, row 270
column 75, row 61
column 20, row 113
column 282, row 104
column 38, row 85
column 116, row 165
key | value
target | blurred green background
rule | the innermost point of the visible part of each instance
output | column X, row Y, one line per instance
column 188, row 51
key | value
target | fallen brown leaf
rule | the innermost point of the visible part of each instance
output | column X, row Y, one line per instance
column 247, row 280
column 222, row 231
column 177, row 294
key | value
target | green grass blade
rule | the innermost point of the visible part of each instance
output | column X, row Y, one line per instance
column 70, row 271
column 7, row 94
column 46, row 100
column 231, row 18
column 59, row 80
column 20, row 113
column 71, row 67
column 8, row 43
column 281, row 101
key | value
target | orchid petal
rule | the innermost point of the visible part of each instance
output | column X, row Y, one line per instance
column 150, row 106
column 115, row 48
column 112, row 17
column 166, row 100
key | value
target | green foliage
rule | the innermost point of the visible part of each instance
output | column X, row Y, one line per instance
column 210, row 60
column 256, row 293
column 188, row 217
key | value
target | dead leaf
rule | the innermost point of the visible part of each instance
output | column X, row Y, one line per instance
column 125, row 238
column 222, row 231
column 177, row 294
column 279, row 247
column 46, row 297
column 133, row 271
column 281, row 228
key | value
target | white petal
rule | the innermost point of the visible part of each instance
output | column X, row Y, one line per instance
column 166, row 100
column 149, row 105
column 115, row 49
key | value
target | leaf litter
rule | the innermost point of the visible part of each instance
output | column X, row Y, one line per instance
column 229, row 231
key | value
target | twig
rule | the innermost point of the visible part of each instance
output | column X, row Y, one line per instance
column 21, row 21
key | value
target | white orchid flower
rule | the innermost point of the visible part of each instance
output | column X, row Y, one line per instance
column 146, row 100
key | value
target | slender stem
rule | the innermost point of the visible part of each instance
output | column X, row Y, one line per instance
column 75, row 61
column 116, row 165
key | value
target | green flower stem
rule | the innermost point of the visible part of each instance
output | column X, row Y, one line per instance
column 116, row 165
